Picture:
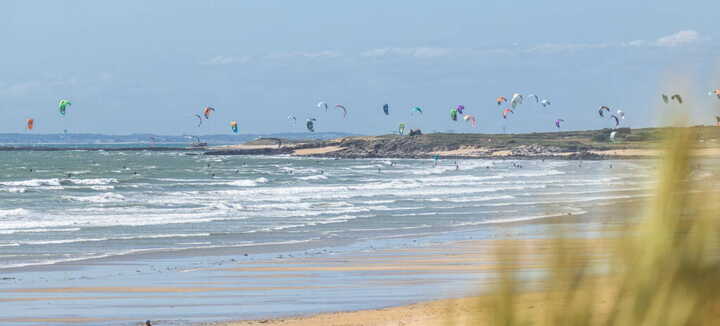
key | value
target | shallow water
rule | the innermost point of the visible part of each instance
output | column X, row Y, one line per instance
column 78, row 205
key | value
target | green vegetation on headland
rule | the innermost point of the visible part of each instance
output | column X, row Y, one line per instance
column 582, row 145
column 589, row 144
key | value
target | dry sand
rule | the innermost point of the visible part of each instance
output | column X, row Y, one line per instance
column 700, row 152
column 476, row 311
column 317, row 151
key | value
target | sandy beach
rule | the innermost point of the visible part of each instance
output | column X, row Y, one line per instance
column 471, row 265
column 478, row 258
column 461, row 311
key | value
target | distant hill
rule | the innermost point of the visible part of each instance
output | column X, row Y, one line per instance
column 33, row 138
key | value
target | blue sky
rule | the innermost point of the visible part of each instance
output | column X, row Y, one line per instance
column 148, row 66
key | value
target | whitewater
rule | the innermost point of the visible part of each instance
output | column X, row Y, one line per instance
column 73, row 206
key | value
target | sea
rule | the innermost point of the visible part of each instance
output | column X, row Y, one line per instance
column 78, row 206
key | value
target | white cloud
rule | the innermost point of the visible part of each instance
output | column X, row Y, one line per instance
column 375, row 53
column 418, row 52
column 226, row 60
column 636, row 43
column 674, row 40
column 431, row 52
column 321, row 54
column 678, row 39
column 566, row 47
column 316, row 54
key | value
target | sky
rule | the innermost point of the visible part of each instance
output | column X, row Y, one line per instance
column 138, row 66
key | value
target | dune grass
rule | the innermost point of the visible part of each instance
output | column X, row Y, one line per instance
column 664, row 270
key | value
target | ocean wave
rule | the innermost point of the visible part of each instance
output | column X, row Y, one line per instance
column 314, row 177
column 135, row 237
column 117, row 216
column 107, row 197
column 102, row 188
column 40, row 230
column 149, row 250
column 469, row 199
column 422, row 226
column 32, row 183
column 16, row 190
column 574, row 212
column 332, row 220
column 97, row 181
column 13, row 212
column 247, row 183
column 58, row 182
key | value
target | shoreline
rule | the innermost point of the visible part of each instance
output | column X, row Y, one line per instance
column 481, row 258
column 416, row 282
column 297, row 248
column 417, row 275
column 469, row 310
column 378, row 268
column 565, row 145
column 322, row 152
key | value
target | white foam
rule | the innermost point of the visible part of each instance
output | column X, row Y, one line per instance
column 32, row 183
column 138, row 251
column 41, row 230
column 17, row 190
column 14, row 212
column 54, row 183
column 314, row 177
column 98, row 181
column 521, row 219
column 247, row 183
column 137, row 237
column 107, row 197
column 102, row 188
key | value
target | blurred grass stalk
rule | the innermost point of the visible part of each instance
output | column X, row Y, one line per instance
column 663, row 270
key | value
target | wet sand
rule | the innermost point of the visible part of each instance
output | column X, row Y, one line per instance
column 454, row 269
column 479, row 258
column 318, row 283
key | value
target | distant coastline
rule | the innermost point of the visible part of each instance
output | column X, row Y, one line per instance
column 569, row 145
